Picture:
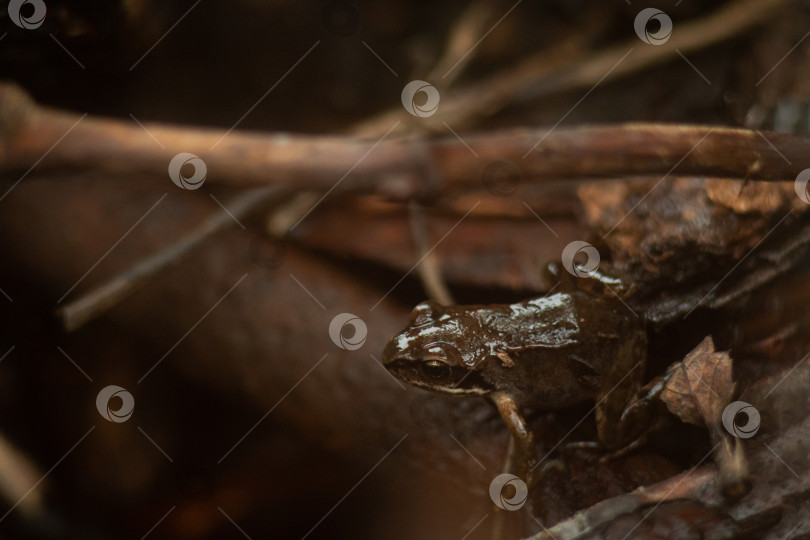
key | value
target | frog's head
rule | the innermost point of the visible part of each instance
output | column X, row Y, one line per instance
column 437, row 351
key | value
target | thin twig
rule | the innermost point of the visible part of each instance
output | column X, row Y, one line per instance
column 460, row 47
column 18, row 480
column 428, row 268
column 98, row 300
column 567, row 66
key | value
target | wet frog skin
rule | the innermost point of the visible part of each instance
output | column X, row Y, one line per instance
column 547, row 353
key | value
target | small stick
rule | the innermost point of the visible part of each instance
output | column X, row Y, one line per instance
column 90, row 305
column 566, row 67
column 461, row 44
column 459, row 50
column 19, row 481
column 428, row 268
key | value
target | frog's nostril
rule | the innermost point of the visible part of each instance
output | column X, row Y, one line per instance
column 398, row 361
column 389, row 353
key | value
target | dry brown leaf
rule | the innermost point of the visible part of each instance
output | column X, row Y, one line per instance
column 743, row 196
column 700, row 386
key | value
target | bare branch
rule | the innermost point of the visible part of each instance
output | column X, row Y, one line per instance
column 395, row 168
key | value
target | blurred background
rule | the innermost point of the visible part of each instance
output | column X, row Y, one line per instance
column 251, row 421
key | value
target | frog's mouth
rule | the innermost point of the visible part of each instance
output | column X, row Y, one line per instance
column 459, row 381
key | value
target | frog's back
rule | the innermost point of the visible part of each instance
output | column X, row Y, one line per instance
column 568, row 344
column 548, row 322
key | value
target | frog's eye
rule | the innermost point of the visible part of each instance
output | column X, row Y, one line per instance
column 436, row 370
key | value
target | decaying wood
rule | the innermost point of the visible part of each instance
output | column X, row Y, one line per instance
column 684, row 244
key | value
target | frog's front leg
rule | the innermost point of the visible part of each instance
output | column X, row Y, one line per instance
column 621, row 417
column 642, row 414
column 525, row 450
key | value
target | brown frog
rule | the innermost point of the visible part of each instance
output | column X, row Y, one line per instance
column 548, row 353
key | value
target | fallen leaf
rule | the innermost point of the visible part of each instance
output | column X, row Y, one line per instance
column 697, row 391
column 700, row 386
